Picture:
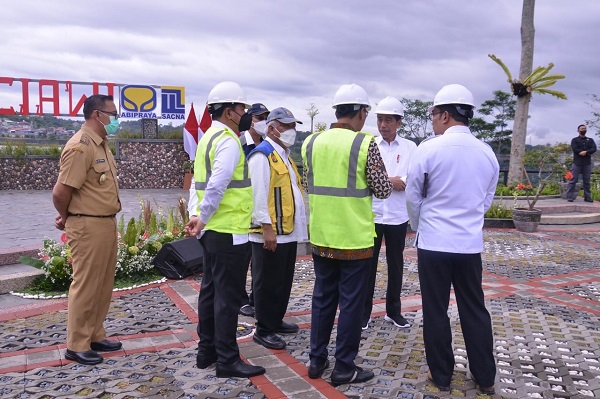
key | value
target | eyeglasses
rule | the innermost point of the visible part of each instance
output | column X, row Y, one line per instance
column 432, row 114
column 111, row 113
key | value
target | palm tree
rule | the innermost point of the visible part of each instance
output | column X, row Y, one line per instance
column 528, row 83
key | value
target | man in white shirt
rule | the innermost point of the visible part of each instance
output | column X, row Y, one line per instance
column 391, row 217
column 451, row 184
column 279, row 222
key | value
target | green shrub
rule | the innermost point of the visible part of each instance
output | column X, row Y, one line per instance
column 136, row 248
column 498, row 211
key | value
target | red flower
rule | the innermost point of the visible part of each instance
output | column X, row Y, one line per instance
column 63, row 238
column 175, row 231
column 569, row 175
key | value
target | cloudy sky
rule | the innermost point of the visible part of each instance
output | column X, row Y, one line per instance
column 294, row 53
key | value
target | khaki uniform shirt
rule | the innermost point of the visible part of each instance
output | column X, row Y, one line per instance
column 87, row 165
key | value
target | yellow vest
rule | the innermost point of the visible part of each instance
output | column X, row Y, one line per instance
column 341, row 215
column 281, row 197
column 234, row 213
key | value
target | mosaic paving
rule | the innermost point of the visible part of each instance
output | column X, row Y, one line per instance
column 166, row 374
column 144, row 311
column 546, row 336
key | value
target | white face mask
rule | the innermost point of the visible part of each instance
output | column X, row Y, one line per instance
column 261, row 128
column 288, row 137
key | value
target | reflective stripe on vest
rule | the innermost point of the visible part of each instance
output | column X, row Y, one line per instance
column 350, row 190
column 245, row 182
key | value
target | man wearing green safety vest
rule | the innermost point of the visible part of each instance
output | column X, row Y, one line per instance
column 222, row 219
column 342, row 168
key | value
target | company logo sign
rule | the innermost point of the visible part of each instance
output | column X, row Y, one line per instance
column 138, row 102
column 173, row 102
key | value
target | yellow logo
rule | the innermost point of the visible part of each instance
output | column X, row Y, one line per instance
column 137, row 98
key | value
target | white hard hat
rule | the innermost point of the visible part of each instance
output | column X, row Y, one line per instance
column 390, row 106
column 351, row 94
column 227, row 92
column 453, row 94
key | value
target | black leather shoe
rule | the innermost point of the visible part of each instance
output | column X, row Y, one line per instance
column 271, row 341
column 204, row 360
column 88, row 357
column 346, row 377
column 316, row 370
column 570, row 200
column 106, row 346
column 588, row 200
column 287, row 328
column 247, row 310
column 238, row 369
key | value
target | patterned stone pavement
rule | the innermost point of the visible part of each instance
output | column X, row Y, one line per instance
column 542, row 290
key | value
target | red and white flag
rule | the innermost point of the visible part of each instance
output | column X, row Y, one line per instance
column 205, row 123
column 190, row 134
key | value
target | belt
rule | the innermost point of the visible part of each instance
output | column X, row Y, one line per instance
column 90, row 216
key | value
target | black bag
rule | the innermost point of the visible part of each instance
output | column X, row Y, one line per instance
column 179, row 259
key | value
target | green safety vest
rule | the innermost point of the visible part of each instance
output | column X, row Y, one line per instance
column 341, row 215
column 235, row 209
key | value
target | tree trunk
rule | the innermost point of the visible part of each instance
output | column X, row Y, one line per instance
column 519, row 136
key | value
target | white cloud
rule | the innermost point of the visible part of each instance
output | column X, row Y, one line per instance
column 295, row 53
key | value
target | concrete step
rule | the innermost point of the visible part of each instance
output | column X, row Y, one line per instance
column 570, row 218
column 15, row 277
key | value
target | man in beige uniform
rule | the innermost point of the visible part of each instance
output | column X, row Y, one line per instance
column 86, row 196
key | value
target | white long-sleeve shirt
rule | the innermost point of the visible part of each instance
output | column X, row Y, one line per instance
column 396, row 157
column 260, row 174
column 462, row 173
column 227, row 155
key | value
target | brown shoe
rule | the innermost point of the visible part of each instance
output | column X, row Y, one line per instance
column 444, row 388
column 487, row 390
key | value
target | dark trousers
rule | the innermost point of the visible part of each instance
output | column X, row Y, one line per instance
column 221, row 294
column 437, row 271
column 395, row 236
column 343, row 282
column 586, row 173
column 272, row 280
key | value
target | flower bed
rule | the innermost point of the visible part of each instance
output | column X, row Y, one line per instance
column 138, row 243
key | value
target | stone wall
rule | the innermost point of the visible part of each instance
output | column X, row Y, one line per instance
column 140, row 163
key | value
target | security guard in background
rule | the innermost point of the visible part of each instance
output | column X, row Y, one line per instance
column 86, row 196
column 223, row 217
column 342, row 168
column 451, row 184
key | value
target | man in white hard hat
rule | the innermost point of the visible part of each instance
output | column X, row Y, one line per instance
column 279, row 222
column 223, row 216
column 451, row 184
column 342, row 169
column 391, row 217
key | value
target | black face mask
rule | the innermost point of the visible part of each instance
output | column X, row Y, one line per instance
column 583, row 132
column 245, row 122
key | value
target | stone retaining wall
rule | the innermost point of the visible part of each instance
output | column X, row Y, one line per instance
column 141, row 164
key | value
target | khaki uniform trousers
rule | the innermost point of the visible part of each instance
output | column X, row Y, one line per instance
column 93, row 243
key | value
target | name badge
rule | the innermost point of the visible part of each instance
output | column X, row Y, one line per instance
column 100, row 160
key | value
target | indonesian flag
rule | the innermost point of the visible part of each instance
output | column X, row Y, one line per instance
column 205, row 123
column 190, row 134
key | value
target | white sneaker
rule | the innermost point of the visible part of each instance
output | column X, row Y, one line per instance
column 398, row 320
column 366, row 326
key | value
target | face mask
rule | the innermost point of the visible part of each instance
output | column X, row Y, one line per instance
column 245, row 122
column 288, row 137
column 112, row 126
column 583, row 132
column 260, row 128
